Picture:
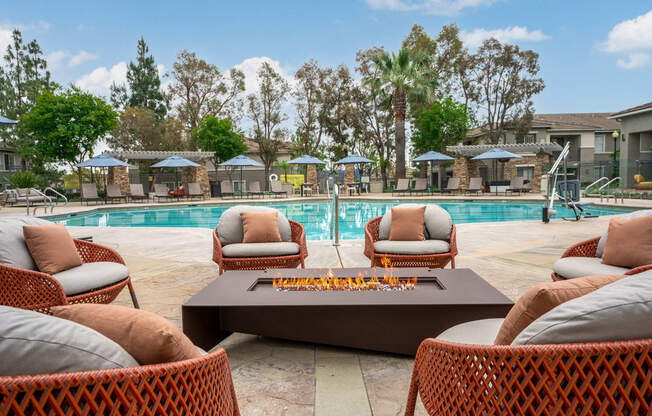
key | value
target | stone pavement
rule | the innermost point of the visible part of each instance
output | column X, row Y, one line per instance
column 276, row 377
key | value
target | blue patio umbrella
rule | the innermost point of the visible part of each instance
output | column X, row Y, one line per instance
column 306, row 160
column 241, row 161
column 353, row 159
column 433, row 156
column 498, row 155
column 176, row 162
column 6, row 121
column 101, row 161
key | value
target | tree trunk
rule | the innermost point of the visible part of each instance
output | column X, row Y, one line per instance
column 399, row 125
column 267, row 169
column 383, row 174
column 79, row 176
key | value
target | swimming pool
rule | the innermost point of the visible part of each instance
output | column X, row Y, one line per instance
column 316, row 215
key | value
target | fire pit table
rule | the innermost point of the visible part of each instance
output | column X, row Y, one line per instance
column 347, row 307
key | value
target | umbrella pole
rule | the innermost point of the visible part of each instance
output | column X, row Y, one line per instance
column 241, row 183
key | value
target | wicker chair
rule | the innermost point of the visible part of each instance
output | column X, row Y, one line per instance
column 402, row 260
column 588, row 248
column 30, row 289
column 201, row 386
column 260, row 263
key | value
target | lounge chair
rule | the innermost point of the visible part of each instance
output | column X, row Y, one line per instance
column 420, row 186
column 515, row 185
column 226, row 188
column 230, row 253
column 89, row 193
column 254, row 189
column 194, row 190
column 475, row 186
column 113, row 193
column 453, row 185
column 402, row 186
column 22, row 195
column 276, row 188
column 161, row 191
column 136, row 191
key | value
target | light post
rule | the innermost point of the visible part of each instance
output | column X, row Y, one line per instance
column 615, row 136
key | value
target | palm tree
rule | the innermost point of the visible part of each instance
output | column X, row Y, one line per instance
column 406, row 79
column 283, row 164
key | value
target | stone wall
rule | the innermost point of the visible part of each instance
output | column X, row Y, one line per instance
column 197, row 174
column 119, row 175
column 537, row 160
column 311, row 176
column 465, row 169
column 349, row 174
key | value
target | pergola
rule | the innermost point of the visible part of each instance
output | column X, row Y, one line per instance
column 159, row 155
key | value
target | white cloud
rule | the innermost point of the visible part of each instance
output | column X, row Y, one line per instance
column 99, row 80
column 438, row 7
column 55, row 59
column 80, row 58
column 5, row 38
column 635, row 60
column 250, row 67
column 512, row 34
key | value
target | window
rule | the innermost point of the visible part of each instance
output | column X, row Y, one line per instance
column 528, row 138
column 599, row 143
column 525, row 172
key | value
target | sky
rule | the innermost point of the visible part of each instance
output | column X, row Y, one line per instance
column 595, row 55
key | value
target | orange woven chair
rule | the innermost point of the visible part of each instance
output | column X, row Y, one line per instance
column 30, row 289
column 608, row 378
column 402, row 260
column 260, row 263
column 201, row 386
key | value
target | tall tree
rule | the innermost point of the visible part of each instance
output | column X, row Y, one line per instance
column 140, row 129
column 66, row 127
column 309, row 101
column 337, row 118
column 220, row 137
column 201, row 90
column 264, row 110
column 143, row 87
column 410, row 78
column 444, row 123
column 506, row 78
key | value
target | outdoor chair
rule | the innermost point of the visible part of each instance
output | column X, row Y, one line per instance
column 89, row 193
column 22, row 195
column 226, row 188
column 101, row 277
column 230, row 253
column 402, row 186
column 420, row 186
column 194, row 190
column 276, row 188
column 439, row 248
column 161, row 191
column 254, row 189
column 113, row 193
column 136, row 191
column 453, row 185
column 364, row 184
column 475, row 186
column 641, row 184
column 515, row 185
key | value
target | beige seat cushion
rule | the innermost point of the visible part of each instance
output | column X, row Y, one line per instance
column 51, row 247
column 148, row 337
column 260, row 249
column 230, row 228
column 572, row 267
column 35, row 343
column 480, row 332
column 412, row 247
column 619, row 311
column 437, row 221
column 90, row 276
column 13, row 250
column 629, row 243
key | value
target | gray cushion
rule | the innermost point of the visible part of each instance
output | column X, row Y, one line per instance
column 91, row 276
column 571, row 267
column 603, row 240
column 260, row 249
column 34, row 343
column 480, row 332
column 437, row 220
column 230, row 225
column 616, row 312
column 412, row 247
column 13, row 250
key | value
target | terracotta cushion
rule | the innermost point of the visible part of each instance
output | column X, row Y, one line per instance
column 149, row 338
column 51, row 247
column 544, row 297
column 260, row 227
column 629, row 242
column 407, row 224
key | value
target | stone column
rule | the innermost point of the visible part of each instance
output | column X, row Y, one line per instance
column 119, row 175
column 461, row 170
column 349, row 174
column 197, row 174
column 311, row 176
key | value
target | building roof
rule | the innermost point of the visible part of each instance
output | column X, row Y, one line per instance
column 643, row 108
column 252, row 146
column 565, row 121
column 522, row 148
column 158, row 155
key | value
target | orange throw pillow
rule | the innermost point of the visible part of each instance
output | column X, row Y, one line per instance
column 260, row 227
column 407, row 224
column 149, row 338
column 629, row 242
column 51, row 247
column 544, row 297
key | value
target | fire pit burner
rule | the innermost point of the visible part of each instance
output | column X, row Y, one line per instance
column 362, row 282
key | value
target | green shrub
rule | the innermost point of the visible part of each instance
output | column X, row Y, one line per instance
column 25, row 179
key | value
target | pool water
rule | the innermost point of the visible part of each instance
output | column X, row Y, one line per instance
column 316, row 216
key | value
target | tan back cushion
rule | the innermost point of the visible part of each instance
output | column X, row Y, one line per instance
column 51, row 247
column 407, row 223
column 149, row 338
column 543, row 298
column 260, row 227
column 629, row 242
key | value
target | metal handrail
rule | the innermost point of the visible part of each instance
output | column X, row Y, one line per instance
column 43, row 195
column 65, row 199
column 335, row 216
column 617, row 178
column 586, row 190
